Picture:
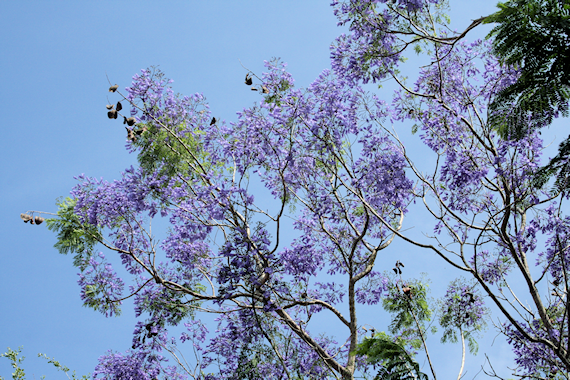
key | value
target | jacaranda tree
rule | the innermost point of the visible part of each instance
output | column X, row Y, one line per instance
column 288, row 213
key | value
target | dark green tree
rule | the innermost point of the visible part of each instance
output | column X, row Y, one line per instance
column 533, row 36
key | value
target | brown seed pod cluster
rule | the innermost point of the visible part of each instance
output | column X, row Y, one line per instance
column 249, row 82
column 30, row 218
column 113, row 113
column 398, row 267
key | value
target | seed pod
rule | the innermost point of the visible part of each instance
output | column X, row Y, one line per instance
column 25, row 217
column 109, row 106
column 265, row 90
column 131, row 135
column 213, row 121
column 113, row 88
column 112, row 114
column 131, row 121
column 119, row 106
column 407, row 290
column 248, row 80
column 39, row 220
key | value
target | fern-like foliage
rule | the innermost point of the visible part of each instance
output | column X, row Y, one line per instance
column 533, row 36
column 73, row 236
column 559, row 165
column 396, row 363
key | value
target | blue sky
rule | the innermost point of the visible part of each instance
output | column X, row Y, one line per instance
column 56, row 57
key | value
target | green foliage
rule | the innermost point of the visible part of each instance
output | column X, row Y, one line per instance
column 173, row 304
column 409, row 310
column 407, row 302
column 396, row 363
column 460, row 318
column 73, row 235
column 557, row 166
column 249, row 360
column 19, row 373
column 63, row 368
column 170, row 152
column 16, row 361
column 534, row 36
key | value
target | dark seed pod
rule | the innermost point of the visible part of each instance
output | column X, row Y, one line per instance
column 39, row 220
column 112, row 114
column 213, row 121
column 25, row 217
column 131, row 121
column 119, row 106
column 265, row 90
column 109, row 106
column 113, row 88
column 395, row 270
column 248, row 80
column 131, row 135
column 253, row 89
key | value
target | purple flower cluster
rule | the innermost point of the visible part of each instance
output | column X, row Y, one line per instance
column 373, row 48
column 462, row 308
column 491, row 268
column 101, row 288
column 140, row 365
column 534, row 358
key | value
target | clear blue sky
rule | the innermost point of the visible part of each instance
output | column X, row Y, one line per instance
column 55, row 56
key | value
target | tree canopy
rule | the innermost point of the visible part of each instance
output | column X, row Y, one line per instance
column 289, row 213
